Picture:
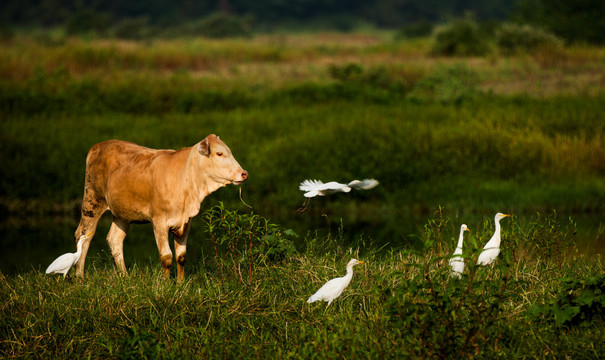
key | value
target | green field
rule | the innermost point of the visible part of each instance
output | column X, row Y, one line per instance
column 522, row 134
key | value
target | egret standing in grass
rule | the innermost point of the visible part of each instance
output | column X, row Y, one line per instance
column 333, row 288
column 64, row 262
column 314, row 188
column 457, row 262
column 492, row 248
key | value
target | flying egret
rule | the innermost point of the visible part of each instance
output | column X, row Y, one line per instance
column 314, row 188
column 457, row 262
column 492, row 248
column 333, row 288
column 63, row 263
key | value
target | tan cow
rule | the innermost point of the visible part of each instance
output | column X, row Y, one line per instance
column 164, row 187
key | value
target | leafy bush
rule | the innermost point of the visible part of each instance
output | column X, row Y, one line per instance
column 461, row 37
column 242, row 241
column 439, row 315
column 550, row 239
column 579, row 301
column 514, row 38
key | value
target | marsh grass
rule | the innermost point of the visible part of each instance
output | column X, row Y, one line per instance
column 402, row 303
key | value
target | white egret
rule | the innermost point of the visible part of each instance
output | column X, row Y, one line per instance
column 314, row 188
column 333, row 288
column 63, row 263
column 492, row 248
column 457, row 262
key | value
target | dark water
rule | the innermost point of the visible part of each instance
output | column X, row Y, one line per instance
column 33, row 244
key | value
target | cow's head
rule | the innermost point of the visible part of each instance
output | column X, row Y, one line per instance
column 219, row 162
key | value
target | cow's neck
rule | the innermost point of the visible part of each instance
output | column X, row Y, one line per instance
column 196, row 180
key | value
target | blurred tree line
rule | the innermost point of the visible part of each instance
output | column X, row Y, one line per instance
column 571, row 20
column 386, row 13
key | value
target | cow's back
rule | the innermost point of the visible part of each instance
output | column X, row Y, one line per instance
column 119, row 173
column 112, row 157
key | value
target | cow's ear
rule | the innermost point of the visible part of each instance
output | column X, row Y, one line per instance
column 203, row 147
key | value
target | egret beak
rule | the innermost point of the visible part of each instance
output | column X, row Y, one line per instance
column 361, row 262
column 505, row 215
column 90, row 233
column 467, row 229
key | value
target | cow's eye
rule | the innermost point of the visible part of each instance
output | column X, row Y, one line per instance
column 219, row 154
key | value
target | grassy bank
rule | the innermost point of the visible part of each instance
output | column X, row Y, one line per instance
column 249, row 301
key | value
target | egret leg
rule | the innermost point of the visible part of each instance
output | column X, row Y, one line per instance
column 92, row 210
column 305, row 206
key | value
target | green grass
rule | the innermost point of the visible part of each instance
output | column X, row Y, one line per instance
column 400, row 304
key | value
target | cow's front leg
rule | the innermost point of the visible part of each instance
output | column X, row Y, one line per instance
column 115, row 239
column 180, row 249
column 160, row 229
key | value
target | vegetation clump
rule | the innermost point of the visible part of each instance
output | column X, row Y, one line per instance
column 461, row 37
column 513, row 38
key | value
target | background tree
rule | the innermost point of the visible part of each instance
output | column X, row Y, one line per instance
column 574, row 21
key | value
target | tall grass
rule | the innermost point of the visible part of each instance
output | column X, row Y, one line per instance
column 400, row 304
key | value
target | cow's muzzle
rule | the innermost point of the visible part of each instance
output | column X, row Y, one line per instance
column 243, row 176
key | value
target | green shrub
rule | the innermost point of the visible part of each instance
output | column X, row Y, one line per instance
column 514, row 38
column 243, row 241
column 461, row 37
column 439, row 315
column 579, row 301
column 550, row 239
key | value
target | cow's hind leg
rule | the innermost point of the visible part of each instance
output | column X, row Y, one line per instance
column 160, row 231
column 92, row 210
column 180, row 250
column 115, row 239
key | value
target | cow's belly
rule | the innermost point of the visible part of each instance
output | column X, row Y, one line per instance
column 130, row 214
column 129, row 207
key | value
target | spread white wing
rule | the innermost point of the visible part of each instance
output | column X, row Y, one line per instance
column 365, row 184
